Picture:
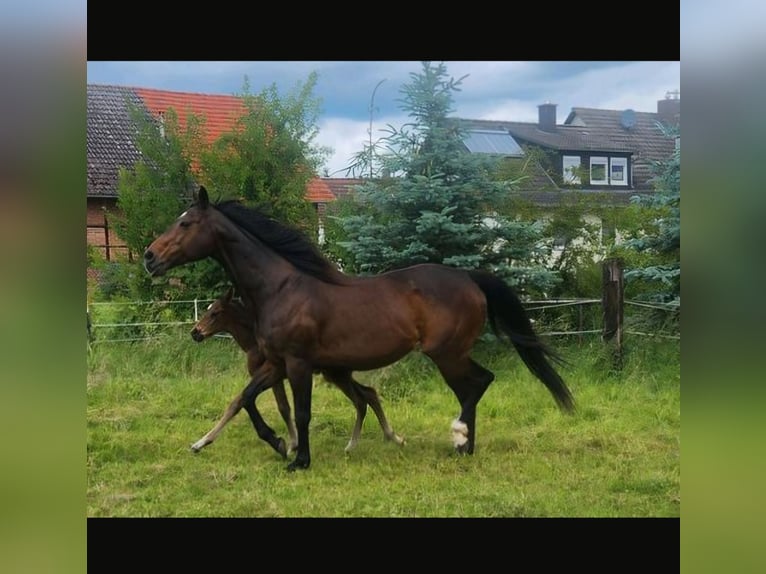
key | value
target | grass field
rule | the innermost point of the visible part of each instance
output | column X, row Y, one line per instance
column 618, row 456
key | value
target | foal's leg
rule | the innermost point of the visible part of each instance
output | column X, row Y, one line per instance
column 284, row 409
column 343, row 380
column 237, row 404
column 263, row 430
column 361, row 395
column 232, row 410
column 468, row 380
column 267, row 376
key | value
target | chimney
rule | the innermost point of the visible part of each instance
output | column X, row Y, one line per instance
column 547, row 117
column 669, row 109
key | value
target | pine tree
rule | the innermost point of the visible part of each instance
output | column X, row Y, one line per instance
column 440, row 205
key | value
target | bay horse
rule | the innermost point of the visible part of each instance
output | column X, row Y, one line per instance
column 309, row 315
column 227, row 314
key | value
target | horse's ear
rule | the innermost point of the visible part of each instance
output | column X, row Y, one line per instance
column 202, row 198
column 229, row 294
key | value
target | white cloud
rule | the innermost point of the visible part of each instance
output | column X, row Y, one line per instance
column 501, row 110
column 349, row 137
column 346, row 137
column 636, row 85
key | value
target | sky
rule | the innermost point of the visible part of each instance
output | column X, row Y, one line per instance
column 491, row 90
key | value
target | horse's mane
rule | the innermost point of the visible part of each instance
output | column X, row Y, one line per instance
column 289, row 243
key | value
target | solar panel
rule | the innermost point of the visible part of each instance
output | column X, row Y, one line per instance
column 492, row 141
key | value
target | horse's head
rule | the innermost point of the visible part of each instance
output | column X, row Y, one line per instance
column 189, row 238
column 218, row 318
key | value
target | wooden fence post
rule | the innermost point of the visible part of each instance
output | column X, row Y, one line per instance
column 612, row 302
column 106, row 237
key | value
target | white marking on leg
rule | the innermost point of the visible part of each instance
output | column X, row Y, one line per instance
column 355, row 434
column 201, row 443
column 459, row 433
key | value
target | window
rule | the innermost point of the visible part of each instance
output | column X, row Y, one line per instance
column 571, row 164
column 618, row 173
column 598, row 171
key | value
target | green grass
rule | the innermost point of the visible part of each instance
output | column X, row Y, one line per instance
column 619, row 456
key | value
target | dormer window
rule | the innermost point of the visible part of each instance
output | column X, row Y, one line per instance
column 618, row 171
column 571, row 169
column 598, row 170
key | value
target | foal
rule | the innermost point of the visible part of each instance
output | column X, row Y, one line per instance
column 229, row 315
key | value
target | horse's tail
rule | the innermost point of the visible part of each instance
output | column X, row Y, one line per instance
column 506, row 314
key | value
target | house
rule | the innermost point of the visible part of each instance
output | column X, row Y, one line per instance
column 111, row 146
column 604, row 155
column 594, row 150
column 636, row 131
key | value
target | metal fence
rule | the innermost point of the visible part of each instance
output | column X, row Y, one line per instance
column 129, row 321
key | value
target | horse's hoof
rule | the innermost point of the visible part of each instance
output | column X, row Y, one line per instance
column 282, row 448
column 463, row 449
column 296, row 465
column 197, row 446
column 393, row 437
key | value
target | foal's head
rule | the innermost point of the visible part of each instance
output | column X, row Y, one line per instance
column 220, row 316
column 189, row 238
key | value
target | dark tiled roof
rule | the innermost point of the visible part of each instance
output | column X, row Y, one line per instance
column 342, row 186
column 564, row 138
column 532, row 173
column 110, row 137
column 645, row 139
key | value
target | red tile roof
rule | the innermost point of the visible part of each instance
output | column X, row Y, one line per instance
column 319, row 192
column 220, row 112
column 108, row 103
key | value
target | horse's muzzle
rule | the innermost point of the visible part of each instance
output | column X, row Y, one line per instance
column 152, row 265
column 197, row 335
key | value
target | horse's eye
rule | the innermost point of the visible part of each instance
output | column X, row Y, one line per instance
column 184, row 223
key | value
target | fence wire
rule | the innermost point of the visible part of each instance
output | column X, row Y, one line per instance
column 119, row 321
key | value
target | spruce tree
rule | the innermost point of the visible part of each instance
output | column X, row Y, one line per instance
column 660, row 238
column 439, row 202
